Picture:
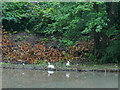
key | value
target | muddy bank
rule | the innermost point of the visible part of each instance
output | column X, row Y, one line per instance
column 31, row 38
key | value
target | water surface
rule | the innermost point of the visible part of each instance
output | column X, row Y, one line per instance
column 64, row 79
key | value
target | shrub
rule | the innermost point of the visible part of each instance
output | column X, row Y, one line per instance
column 112, row 52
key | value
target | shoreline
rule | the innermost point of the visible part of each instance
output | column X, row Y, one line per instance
column 94, row 70
column 42, row 67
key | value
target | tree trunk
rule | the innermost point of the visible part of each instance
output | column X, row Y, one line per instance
column 101, row 39
column 110, row 8
column 96, row 36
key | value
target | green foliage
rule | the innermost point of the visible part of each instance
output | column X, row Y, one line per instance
column 84, row 38
column 92, row 57
column 14, row 32
column 41, row 61
column 112, row 31
column 65, row 42
column 96, row 21
column 27, row 30
column 23, row 15
column 45, row 40
column 70, row 20
column 112, row 52
column 12, row 14
column 18, row 38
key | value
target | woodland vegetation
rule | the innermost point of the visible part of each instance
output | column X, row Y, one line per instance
column 86, row 31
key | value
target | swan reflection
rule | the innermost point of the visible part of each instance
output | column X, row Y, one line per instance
column 50, row 73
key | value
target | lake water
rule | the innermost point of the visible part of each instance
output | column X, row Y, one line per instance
column 64, row 79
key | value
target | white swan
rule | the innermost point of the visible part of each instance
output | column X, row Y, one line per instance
column 23, row 64
column 68, row 63
column 68, row 75
column 22, row 73
column 50, row 66
column 50, row 72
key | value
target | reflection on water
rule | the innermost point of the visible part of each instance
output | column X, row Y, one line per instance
column 50, row 72
column 50, row 79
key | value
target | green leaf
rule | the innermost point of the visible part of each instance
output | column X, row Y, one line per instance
column 18, row 36
column 27, row 30
column 21, row 39
column 14, row 32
